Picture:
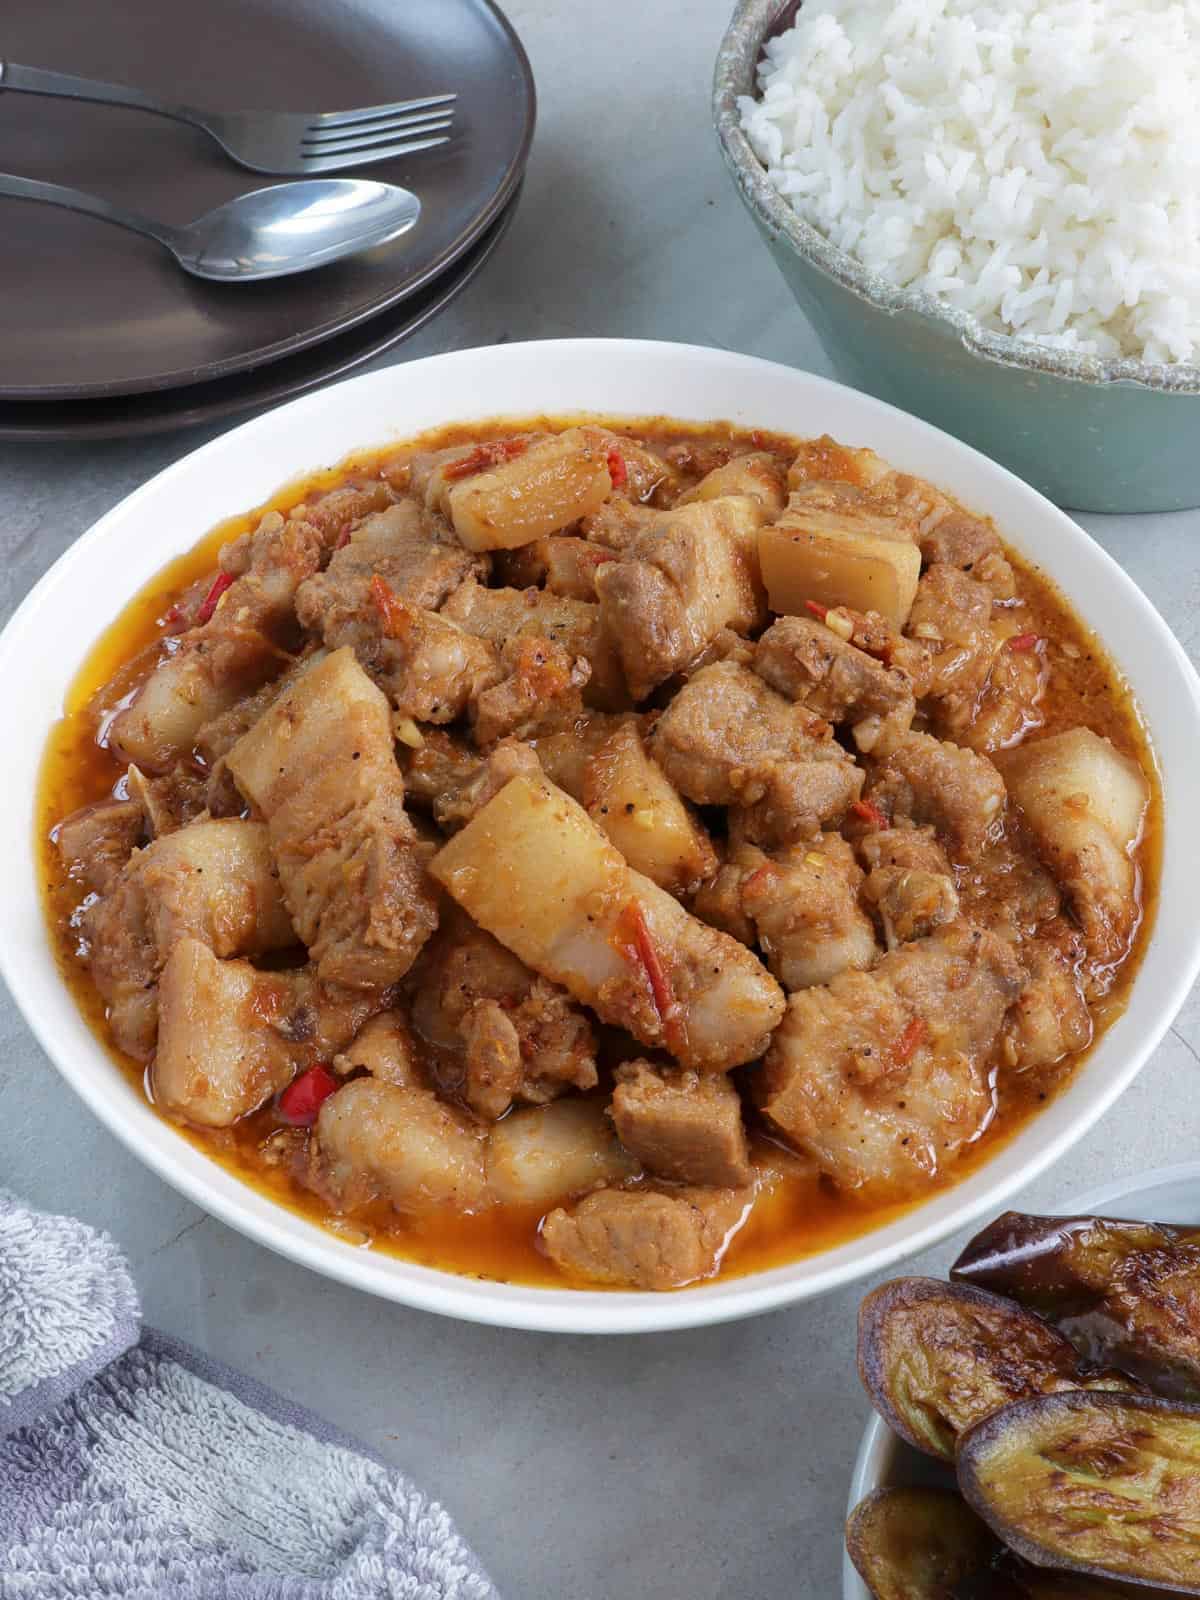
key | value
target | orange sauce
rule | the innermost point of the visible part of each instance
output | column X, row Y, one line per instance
column 798, row 1214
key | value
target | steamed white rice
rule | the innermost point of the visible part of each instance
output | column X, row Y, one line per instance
column 1035, row 164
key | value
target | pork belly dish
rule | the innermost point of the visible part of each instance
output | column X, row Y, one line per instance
column 600, row 853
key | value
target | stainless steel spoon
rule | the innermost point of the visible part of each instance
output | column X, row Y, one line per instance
column 289, row 227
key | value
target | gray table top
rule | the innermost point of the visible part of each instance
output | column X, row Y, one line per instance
column 707, row 1463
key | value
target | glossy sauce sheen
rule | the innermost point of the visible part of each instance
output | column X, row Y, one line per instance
column 798, row 1215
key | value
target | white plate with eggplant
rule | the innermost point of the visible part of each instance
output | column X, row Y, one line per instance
column 1037, row 1434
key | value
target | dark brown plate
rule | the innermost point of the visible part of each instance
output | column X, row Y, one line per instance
column 88, row 310
column 131, row 415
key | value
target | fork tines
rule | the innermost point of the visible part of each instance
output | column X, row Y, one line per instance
column 342, row 133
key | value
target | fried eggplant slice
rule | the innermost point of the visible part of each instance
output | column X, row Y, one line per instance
column 937, row 1357
column 1010, row 1578
column 1127, row 1294
column 916, row 1543
column 1107, row 1485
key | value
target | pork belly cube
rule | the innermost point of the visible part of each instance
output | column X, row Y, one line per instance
column 429, row 473
column 952, row 618
column 268, row 566
column 123, row 959
column 230, row 655
column 428, row 667
column 948, row 536
column 441, row 762
column 565, row 753
column 215, row 880
column 758, row 475
column 631, row 800
column 727, row 738
column 171, row 800
column 335, row 513
column 463, row 794
column 320, row 767
column 644, row 1238
column 619, row 524
column 571, row 566
column 540, row 682
column 216, row 738
column 719, row 901
column 95, row 842
column 386, row 1049
column 839, row 551
column 1009, row 709
column 799, row 903
column 544, row 1154
column 682, row 1126
column 909, row 884
column 679, row 584
column 406, row 548
column 960, row 794
column 535, row 871
column 809, row 662
column 824, row 461
column 514, row 1035
column 883, row 1076
column 1050, row 1020
column 648, row 477
column 380, row 1141
column 229, row 1037
column 540, row 490
column 502, row 615
column 212, row 668
column 1084, row 802
column 803, row 902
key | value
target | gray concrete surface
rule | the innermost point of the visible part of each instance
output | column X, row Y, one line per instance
column 699, row 1464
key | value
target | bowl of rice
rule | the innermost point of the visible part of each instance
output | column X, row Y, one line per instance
column 990, row 213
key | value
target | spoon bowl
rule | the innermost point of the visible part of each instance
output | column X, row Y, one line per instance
column 268, row 233
column 293, row 227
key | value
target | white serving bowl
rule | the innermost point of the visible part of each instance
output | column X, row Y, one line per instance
column 43, row 645
column 1169, row 1194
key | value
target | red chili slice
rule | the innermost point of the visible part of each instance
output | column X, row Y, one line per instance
column 870, row 813
column 392, row 609
column 1023, row 641
column 617, row 470
column 910, row 1041
column 819, row 611
column 640, row 949
column 219, row 585
column 484, row 456
column 304, row 1096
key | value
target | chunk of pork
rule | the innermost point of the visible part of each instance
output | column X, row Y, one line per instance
column 320, row 767
column 882, row 1077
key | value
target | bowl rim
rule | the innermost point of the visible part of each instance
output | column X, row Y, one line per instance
column 734, row 75
column 614, row 377
column 879, row 1446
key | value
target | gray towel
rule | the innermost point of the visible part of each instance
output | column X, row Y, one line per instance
column 132, row 1466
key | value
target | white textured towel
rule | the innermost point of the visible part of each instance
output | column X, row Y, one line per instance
column 132, row 1466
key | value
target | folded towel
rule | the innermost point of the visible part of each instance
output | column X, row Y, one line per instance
column 132, row 1466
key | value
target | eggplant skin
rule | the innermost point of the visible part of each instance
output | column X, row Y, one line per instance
column 937, row 1357
column 1127, row 1294
column 1010, row 1578
column 1105, row 1485
column 916, row 1543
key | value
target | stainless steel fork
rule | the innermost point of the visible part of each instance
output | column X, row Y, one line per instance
column 292, row 142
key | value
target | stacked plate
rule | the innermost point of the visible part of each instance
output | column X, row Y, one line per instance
column 101, row 334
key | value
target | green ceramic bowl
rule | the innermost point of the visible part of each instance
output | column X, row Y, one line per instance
column 1092, row 434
